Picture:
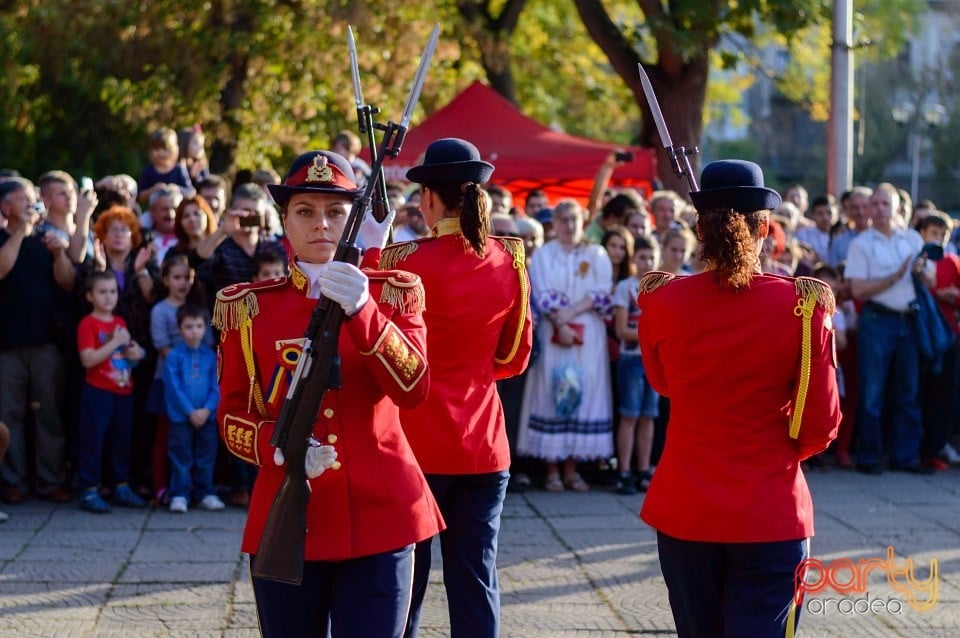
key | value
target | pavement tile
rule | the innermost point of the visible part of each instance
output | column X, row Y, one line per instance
column 178, row 572
column 178, row 545
column 103, row 569
column 198, row 618
column 139, row 594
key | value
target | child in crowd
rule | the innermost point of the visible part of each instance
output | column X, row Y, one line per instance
column 164, row 167
column 269, row 264
column 937, row 389
column 191, row 396
column 106, row 403
column 844, row 319
column 193, row 156
column 638, row 400
column 178, row 280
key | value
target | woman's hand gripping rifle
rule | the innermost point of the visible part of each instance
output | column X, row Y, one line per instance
column 281, row 553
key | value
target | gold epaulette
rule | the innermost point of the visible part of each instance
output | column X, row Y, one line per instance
column 821, row 292
column 401, row 289
column 237, row 303
column 811, row 292
column 397, row 252
column 654, row 280
column 514, row 246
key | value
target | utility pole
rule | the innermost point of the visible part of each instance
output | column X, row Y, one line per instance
column 840, row 137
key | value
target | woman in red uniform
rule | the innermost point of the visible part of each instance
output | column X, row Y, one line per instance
column 478, row 331
column 369, row 500
column 747, row 361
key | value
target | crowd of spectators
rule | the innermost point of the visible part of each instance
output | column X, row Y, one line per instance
column 132, row 254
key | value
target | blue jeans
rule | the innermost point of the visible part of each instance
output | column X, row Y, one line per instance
column 471, row 505
column 887, row 363
column 105, row 429
column 192, row 451
column 365, row 596
column 729, row 590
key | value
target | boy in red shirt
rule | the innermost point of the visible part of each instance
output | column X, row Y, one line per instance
column 108, row 354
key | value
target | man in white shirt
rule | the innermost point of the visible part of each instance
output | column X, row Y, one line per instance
column 879, row 267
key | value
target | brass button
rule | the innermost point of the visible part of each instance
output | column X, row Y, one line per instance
column 328, row 413
column 331, row 439
column 336, row 465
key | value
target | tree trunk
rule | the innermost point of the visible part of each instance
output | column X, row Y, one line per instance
column 680, row 86
column 223, row 150
column 492, row 35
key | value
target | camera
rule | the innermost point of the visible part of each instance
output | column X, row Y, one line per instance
column 933, row 252
column 38, row 208
column 624, row 156
column 252, row 221
column 86, row 184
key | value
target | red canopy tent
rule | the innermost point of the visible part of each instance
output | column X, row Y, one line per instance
column 526, row 153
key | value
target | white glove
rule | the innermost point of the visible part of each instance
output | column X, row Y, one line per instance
column 345, row 284
column 319, row 459
column 373, row 234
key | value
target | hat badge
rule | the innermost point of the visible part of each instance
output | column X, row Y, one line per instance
column 320, row 171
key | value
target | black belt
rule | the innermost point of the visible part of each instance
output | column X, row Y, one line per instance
column 880, row 309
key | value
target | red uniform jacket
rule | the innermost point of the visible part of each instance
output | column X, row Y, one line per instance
column 733, row 366
column 376, row 498
column 478, row 331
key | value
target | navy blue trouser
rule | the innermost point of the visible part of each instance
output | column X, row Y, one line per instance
column 105, row 428
column 471, row 506
column 358, row 598
column 730, row 590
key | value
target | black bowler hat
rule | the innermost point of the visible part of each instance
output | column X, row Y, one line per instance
column 734, row 184
column 317, row 172
column 451, row 160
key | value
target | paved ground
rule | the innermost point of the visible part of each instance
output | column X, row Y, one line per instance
column 571, row 565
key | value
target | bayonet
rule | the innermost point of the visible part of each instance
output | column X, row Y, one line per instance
column 679, row 155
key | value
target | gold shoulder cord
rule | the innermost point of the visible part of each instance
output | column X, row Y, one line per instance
column 804, row 309
column 236, row 312
column 812, row 292
column 517, row 251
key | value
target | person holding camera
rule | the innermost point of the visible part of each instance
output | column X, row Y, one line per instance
column 237, row 242
column 34, row 269
column 233, row 249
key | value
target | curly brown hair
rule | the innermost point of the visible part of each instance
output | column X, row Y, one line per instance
column 120, row 214
column 728, row 243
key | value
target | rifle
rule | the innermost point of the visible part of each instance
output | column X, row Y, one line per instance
column 281, row 551
column 679, row 155
column 365, row 113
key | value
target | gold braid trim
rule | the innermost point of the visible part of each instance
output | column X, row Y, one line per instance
column 405, row 296
column 514, row 246
column 255, row 395
column 803, row 309
column 824, row 295
column 654, row 280
column 397, row 252
column 518, row 252
column 232, row 309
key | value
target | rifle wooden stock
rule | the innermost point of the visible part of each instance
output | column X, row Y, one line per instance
column 281, row 552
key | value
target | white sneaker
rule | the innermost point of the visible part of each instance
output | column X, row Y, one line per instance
column 212, row 503
column 950, row 454
column 178, row 505
column 3, row 517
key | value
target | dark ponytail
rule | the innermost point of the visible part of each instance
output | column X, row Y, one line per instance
column 474, row 209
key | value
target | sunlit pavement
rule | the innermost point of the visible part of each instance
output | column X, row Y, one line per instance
column 570, row 565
